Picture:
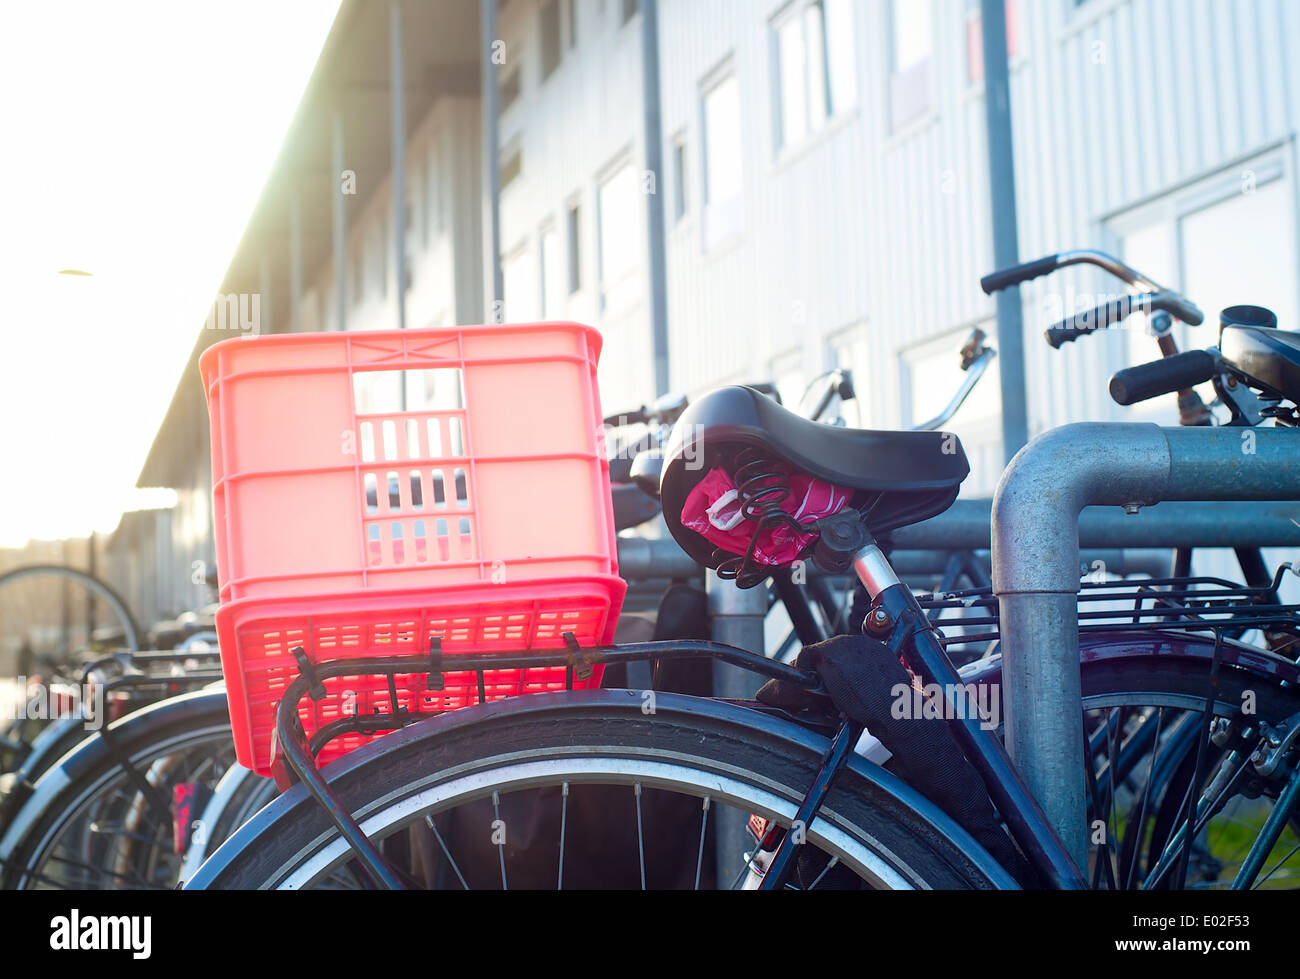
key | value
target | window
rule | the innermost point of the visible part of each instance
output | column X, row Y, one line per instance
column 722, row 162
column 627, row 10
column 552, row 274
column 412, row 212
column 787, row 375
column 1226, row 240
column 435, row 221
column 618, row 213
column 519, row 278
column 571, row 22
column 550, row 31
column 911, row 49
column 508, row 89
column 815, row 77
column 1242, row 249
column 849, row 351
column 680, row 199
column 359, row 274
column 1151, row 250
column 573, row 228
column 931, row 375
column 512, row 165
column 975, row 39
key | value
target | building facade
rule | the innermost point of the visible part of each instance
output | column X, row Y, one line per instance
column 824, row 191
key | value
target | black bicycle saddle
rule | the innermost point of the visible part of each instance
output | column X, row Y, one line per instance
column 1266, row 357
column 897, row 478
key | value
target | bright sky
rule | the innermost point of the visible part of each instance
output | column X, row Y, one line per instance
column 136, row 137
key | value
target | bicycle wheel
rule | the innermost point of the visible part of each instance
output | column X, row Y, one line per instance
column 1143, row 714
column 237, row 796
column 455, row 776
column 1145, row 722
column 102, row 818
column 50, row 614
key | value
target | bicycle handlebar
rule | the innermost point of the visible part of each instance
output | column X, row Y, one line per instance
column 1166, row 376
column 1157, row 296
column 1006, row 278
column 1114, row 311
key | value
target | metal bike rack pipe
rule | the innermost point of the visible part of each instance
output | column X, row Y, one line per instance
column 1035, row 547
column 737, row 616
column 640, row 558
column 1114, row 560
column 965, row 526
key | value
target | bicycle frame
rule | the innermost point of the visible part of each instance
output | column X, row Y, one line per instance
column 894, row 609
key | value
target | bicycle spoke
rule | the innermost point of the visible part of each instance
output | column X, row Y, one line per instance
column 1102, row 860
column 699, row 861
column 564, row 814
column 744, row 871
column 447, row 853
column 138, row 881
column 501, row 847
column 1277, row 866
column 1140, row 826
column 825, row 870
column 640, row 836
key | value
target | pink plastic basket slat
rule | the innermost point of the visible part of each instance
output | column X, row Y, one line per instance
column 353, row 524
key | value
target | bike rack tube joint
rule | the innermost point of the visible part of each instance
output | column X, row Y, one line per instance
column 1035, row 559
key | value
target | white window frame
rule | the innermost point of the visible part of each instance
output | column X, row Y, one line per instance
column 789, row 363
column 795, row 11
column 979, row 434
column 620, row 283
column 551, row 227
column 710, row 210
column 681, row 174
column 1172, row 207
column 920, row 72
column 557, row 6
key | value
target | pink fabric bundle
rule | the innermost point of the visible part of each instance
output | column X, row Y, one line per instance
column 713, row 510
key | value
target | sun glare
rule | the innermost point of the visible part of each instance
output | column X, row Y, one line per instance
column 140, row 136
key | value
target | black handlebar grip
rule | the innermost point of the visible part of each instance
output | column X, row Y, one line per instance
column 1146, row 381
column 1092, row 320
column 1005, row 278
column 628, row 418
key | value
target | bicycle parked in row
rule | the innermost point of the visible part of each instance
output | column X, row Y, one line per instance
column 1144, row 684
column 790, row 762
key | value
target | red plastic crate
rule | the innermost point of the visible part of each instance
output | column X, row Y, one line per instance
column 371, row 490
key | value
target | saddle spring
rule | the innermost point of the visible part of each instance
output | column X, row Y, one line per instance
column 762, row 485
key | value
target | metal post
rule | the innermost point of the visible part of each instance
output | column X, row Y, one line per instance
column 491, row 163
column 264, row 287
column 1036, row 567
column 1006, row 246
column 654, row 156
column 295, row 261
column 737, row 616
column 1177, row 523
column 397, row 90
column 339, row 215
column 91, row 569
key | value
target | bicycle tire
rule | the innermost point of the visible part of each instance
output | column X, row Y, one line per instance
column 885, row 831
column 1166, row 681
column 199, row 717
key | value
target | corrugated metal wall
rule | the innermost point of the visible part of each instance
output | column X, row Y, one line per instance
column 863, row 228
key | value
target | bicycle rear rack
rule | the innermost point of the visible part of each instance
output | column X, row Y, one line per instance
column 1208, row 606
column 299, row 753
